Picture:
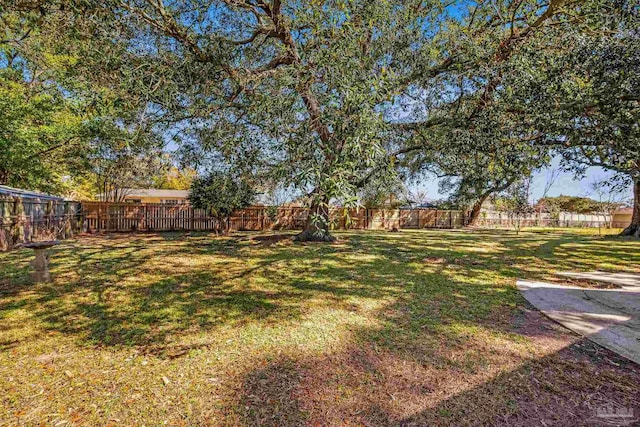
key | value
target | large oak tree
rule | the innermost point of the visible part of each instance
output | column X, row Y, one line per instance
column 295, row 90
column 326, row 96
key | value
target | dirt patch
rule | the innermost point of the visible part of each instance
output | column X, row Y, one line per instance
column 466, row 261
column 583, row 283
column 434, row 260
column 564, row 381
column 565, row 388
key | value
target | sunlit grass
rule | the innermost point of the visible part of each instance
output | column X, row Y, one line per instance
column 199, row 329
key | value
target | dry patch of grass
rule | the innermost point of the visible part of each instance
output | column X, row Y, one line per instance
column 409, row 328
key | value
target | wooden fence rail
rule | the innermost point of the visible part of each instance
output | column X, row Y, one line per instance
column 158, row 217
column 550, row 223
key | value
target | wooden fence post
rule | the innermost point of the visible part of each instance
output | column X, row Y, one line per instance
column 6, row 241
column 49, row 223
column 67, row 222
column 79, row 220
column 146, row 217
column 74, row 216
column 366, row 218
column 98, row 227
column 17, row 229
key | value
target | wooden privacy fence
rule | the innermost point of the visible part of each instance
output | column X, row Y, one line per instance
column 145, row 217
column 29, row 220
column 158, row 217
column 495, row 219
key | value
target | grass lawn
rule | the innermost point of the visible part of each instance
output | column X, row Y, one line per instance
column 409, row 328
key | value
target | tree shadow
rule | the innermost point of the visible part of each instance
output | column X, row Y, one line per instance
column 98, row 297
column 104, row 304
column 564, row 388
column 269, row 396
column 427, row 363
column 143, row 291
column 397, row 385
column 428, row 333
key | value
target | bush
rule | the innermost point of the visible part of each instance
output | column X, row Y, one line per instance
column 221, row 194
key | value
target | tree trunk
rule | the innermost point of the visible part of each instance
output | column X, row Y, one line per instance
column 474, row 215
column 634, row 228
column 317, row 226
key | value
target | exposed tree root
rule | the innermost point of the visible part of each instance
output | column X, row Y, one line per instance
column 631, row 230
column 314, row 235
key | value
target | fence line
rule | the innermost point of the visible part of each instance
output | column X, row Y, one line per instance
column 122, row 217
column 23, row 221
column 100, row 216
column 550, row 223
column 496, row 219
column 30, row 220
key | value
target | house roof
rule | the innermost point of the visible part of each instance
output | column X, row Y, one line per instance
column 154, row 192
column 19, row 192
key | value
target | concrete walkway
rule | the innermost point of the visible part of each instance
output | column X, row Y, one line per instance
column 609, row 317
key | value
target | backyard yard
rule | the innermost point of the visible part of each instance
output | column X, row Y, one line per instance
column 417, row 327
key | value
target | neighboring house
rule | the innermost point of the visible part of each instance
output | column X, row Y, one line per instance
column 151, row 195
column 622, row 217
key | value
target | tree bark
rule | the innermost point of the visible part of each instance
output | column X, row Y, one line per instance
column 475, row 210
column 634, row 228
column 474, row 215
column 317, row 225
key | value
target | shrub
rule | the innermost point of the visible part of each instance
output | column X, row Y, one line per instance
column 221, row 194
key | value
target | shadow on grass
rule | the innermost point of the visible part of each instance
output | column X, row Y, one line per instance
column 564, row 388
column 395, row 386
column 140, row 289
column 441, row 309
column 427, row 364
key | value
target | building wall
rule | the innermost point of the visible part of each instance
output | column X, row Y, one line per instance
column 153, row 199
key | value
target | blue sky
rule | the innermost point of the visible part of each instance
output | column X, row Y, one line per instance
column 565, row 184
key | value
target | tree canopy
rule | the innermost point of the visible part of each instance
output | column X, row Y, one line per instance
column 62, row 125
column 562, row 78
column 332, row 97
column 42, row 129
column 575, row 204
